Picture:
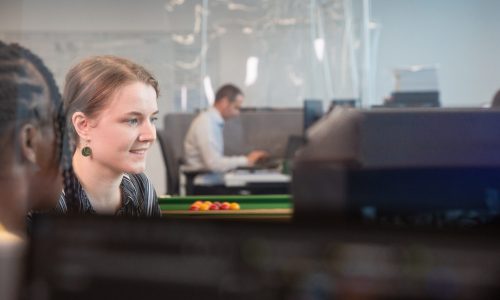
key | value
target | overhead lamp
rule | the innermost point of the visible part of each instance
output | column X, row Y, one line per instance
column 252, row 70
column 183, row 98
column 319, row 48
column 209, row 91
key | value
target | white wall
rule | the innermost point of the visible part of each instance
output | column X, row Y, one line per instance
column 461, row 36
column 88, row 15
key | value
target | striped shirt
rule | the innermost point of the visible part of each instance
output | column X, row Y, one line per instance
column 138, row 199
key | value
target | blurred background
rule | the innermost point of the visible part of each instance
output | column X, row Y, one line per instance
column 279, row 52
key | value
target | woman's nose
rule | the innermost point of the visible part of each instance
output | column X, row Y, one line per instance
column 148, row 132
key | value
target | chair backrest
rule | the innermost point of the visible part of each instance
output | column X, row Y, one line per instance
column 171, row 139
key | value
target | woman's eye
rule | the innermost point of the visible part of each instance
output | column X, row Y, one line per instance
column 133, row 122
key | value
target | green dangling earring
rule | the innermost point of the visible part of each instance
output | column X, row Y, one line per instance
column 86, row 151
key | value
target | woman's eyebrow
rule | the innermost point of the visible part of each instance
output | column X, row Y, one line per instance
column 136, row 113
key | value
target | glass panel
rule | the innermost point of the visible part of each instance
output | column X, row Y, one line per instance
column 279, row 52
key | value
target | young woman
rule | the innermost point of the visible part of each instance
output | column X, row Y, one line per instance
column 31, row 137
column 111, row 107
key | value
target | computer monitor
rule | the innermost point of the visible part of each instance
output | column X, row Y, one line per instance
column 342, row 102
column 414, row 99
column 313, row 111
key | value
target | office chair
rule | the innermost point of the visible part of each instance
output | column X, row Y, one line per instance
column 171, row 140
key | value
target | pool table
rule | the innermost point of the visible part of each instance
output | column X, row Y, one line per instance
column 265, row 207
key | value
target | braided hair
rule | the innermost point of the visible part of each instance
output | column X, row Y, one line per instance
column 19, row 94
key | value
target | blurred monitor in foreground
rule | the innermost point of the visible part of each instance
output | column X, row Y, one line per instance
column 109, row 258
column 400, row 162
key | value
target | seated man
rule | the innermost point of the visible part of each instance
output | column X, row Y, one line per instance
column 204, row 143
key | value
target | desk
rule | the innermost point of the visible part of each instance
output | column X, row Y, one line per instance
column 265, row 207
column 241, row 182
column 242, row 178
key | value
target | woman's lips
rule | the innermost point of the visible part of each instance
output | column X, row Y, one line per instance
column 139, row 151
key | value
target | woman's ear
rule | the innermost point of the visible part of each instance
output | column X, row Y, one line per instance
column 81, row 124
column 28, row 140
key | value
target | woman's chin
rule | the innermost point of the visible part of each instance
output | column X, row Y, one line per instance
column 136, row 169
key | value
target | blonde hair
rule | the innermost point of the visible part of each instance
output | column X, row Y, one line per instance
column 91, row 84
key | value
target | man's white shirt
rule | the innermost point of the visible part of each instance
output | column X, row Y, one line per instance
column 204, row 144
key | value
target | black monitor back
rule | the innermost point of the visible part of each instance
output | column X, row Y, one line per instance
column 405, row 161
column 414, row 99
column 343, row 102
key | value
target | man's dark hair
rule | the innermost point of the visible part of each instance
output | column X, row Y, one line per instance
column 228, row 90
